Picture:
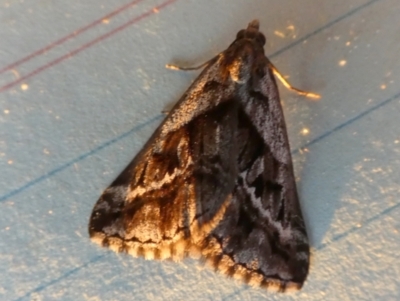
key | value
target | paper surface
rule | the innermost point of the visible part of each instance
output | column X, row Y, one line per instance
column 82, row 87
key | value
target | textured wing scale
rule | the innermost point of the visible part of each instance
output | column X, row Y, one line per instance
column 216, row 179
column 262, row 238
column 176, row 187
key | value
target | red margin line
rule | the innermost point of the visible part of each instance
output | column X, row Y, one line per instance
column 89, row 44
column 66, row 38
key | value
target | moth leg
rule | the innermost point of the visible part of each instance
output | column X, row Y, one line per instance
column 290, row 87
column 175, row 67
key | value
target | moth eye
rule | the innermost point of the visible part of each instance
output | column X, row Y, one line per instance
column 240, row 34
column 261, row 39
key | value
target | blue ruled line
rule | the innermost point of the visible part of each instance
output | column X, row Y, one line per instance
column 136, row 128
column 80, row 158
column 116, row 139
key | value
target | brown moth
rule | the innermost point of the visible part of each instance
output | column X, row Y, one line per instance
column 216, row 179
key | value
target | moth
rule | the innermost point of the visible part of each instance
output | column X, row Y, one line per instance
column 215, row 181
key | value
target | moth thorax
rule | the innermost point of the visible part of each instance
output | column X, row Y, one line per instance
column 239, row 70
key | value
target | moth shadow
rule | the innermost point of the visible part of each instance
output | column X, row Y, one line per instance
column 325, row 177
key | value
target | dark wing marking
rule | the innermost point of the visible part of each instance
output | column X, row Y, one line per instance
column 177, row 188
column 262, row 238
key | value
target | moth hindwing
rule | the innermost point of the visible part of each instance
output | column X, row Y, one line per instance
column 216, row 178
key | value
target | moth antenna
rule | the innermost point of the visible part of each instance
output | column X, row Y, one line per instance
column 175, row 67
column 290, row 87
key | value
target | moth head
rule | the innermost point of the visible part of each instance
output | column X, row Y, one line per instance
column 252, row 33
